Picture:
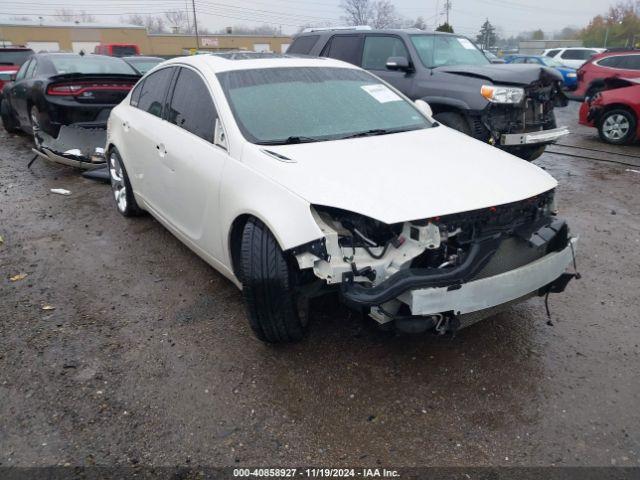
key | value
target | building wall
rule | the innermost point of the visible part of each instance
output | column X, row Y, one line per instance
column 65, row 36
column 69, row 38
column 536, row 47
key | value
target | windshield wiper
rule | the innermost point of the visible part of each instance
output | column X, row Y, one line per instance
column 290, row 140
column 377, row 131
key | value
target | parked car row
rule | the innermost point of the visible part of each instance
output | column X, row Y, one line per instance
column 297, row 176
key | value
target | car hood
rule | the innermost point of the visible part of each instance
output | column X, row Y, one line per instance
column 400, row 177
column 508, row 73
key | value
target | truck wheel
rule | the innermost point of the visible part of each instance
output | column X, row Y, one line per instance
column 453, row 120
column 268, row 287
column 617, row 127
column 120, row 186
column 8, row 120
column 529, row 153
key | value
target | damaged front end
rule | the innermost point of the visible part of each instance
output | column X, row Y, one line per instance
column 530, row 122
column 441, row 273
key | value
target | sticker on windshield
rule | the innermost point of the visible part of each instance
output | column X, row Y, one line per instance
column 466, row 43
column 381, row 93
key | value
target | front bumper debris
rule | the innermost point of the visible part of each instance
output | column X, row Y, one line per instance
column 75, row 146
column 533, row 138
column 492, row 291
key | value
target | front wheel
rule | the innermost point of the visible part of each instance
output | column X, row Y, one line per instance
column 268, row 287
column 453, row 120
column 121, row 187
column 8, row 120
column 617, row 127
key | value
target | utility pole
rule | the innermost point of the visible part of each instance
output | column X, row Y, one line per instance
column 195, row 24
column 447, row 8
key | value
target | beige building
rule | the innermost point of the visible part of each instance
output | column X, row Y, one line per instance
column 76, row 37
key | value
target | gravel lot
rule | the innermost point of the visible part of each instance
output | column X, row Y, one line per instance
column 147, row 357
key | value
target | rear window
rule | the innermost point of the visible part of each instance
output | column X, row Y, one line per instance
column 14, row 57
column 552, row 53
column 124, row 50
column 303, row 45
column 90, row 64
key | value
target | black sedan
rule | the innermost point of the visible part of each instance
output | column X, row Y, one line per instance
column 55, row 89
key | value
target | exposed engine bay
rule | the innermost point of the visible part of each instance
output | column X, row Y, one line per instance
column 376, row 265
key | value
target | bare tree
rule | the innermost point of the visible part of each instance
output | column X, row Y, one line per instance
column 151, row 23
column 68, row 15
column 384, row 15
column 357, row 12
column 178, row 20
column 64, row 15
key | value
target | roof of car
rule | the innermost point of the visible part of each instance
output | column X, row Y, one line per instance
column 407, row 31
column 142, row 57
column 223, row 63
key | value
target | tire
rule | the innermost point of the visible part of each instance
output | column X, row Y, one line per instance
column 453, row 120
column 269, row 287
column 529, row 153
column 617, row 127
column 120, row 185
column 8, row 120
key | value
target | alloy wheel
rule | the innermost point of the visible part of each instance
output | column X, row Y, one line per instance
column 616, row 127
column 117, row 182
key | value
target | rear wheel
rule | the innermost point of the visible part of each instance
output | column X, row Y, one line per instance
column 453, row 120
column 8, row 120
column 268, row 287
column 617, row 127
column 121, row 187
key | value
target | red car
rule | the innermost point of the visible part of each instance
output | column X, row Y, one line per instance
column 614, row 111
column 591, row 76
column 117, row 49
column 11, row 58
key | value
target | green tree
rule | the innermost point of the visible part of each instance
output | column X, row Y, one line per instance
column 445, row 27
column 487, row 36
column 537, row 35
column 619, row 27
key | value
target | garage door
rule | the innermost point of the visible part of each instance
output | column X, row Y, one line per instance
column 86, row 47
column 44, row 46
column 261, row 47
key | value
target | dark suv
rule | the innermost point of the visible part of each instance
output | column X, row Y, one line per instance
column 509, row 106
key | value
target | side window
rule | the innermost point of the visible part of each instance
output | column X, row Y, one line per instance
column 191, row 105
column 347, row 48
column 32, row 69
column 612, row 62
column 303, row 45
column 135, row 95
column 377, row 49
column 577, row 54
column 153, row 91
column 519, row 60
column 630, row 62
column 552, row 53
column 23, row 70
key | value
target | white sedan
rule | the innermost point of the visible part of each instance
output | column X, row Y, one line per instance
column 295, row 177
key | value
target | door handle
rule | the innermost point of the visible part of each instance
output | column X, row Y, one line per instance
column 162, row 150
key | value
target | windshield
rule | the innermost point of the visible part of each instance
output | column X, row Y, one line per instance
column 447, row 50
column 90, row 64
column 302, row 104
column 550, row 62
column 143, row 66
column 14, row 57
column 124, row 50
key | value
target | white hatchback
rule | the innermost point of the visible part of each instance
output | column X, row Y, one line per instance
column 295, row 177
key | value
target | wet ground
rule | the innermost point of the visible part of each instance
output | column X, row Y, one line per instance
column 147, row 358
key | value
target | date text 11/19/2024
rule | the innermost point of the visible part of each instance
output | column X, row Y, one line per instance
column 316, row 472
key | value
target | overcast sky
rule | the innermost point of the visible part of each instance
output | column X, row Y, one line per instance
column 510, row 16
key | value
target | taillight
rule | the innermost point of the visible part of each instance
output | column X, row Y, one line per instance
column 85, row 88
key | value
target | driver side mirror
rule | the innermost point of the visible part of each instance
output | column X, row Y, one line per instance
column 424, row 108
column 398, row 64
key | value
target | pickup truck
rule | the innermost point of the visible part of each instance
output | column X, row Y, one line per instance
column 509, row 106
